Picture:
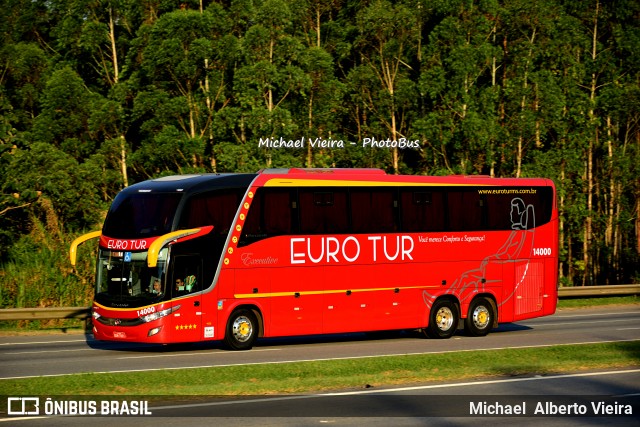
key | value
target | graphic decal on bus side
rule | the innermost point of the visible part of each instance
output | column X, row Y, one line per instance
column 519, row 245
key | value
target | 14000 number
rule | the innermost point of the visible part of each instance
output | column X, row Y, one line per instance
column 542, row 251
column 145, row 311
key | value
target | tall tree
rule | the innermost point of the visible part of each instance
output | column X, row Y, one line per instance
column 187, row 69
column 323, row 96
column 66, row 106
column 270, row 75
column 388, row 37
column 461, row 127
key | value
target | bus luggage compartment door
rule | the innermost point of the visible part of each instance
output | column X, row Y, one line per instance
column 529, row 288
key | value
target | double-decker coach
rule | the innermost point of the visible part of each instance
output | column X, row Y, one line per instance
column 286, row 252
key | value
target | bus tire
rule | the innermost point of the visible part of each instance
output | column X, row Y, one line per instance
column 480, row 317
column 443, row 319
column 242, row 330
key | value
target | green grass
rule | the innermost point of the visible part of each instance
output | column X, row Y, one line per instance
column 301, row 377
column 595, row 302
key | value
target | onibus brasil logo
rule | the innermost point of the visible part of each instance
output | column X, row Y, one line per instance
column 29, row 406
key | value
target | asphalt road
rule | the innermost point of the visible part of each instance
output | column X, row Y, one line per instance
column 433, row 404
column 28, row 356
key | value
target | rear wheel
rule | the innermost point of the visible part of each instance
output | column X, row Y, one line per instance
column 480, row 318
column 242, row 330
column 443, row 319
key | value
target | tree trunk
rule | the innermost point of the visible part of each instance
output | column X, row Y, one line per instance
column 523, row 106
column 637, row 191
column 394, row 134
column 588, row 226
column 123, row 161
column 608, row 235
column 309, row 151
column 587, row 233
column 114, row 51
column 561, row 236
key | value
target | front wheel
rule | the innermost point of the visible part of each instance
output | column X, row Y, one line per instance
column 480, row 318
column 242, row 330
column 443, row 319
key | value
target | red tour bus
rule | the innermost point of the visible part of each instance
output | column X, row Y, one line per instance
column 287, row 252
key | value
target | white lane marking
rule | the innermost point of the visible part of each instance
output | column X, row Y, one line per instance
column 580, row 323
column 193, row 354
column 190, row 353
column 283, row 362
column 48, row 351
column 560, row 316
column 41, row 342
column 16, row 419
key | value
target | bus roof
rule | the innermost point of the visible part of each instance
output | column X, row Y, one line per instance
column 341, row 171
column 192, row 183
column 338, row 177
column 374, row 177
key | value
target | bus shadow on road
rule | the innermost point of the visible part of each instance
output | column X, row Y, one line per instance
column 510, row 327
column 355, row 337
column 261, row 342
column 375, row 336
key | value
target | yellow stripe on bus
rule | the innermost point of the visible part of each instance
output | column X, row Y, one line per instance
column 130, row 309
column 333, row 291
column 127, row 309
column 282, row 182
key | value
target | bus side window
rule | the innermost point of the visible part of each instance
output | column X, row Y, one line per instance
column 187, row 275
column 216, row 208
column 466, row 210
column 373, row 210
column 499, row 207
column 499, row 212
column 422, row 210
column 323, row 211
column 271, row 214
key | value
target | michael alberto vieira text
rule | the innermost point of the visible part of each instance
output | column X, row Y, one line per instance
column 401, row 143
column 593, row 408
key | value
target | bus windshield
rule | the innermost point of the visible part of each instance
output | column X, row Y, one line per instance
column 124, row 280
column 141, row 215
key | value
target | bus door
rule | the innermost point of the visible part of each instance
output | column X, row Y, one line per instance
column 349, row 305
column 186, row 292
column 296, row 307
column 529, row 288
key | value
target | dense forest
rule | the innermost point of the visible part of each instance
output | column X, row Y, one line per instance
column 98, row 94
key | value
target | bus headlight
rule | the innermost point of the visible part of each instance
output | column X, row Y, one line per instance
column 159, row 314
column 154, row 331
